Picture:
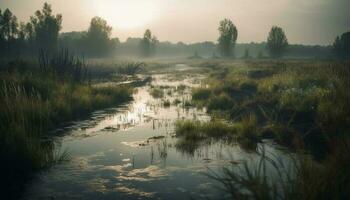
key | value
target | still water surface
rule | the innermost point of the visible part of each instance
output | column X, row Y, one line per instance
column 130, row 152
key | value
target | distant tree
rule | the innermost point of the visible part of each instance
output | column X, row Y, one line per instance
column 154, row 44
column 277, row 42
column 148, row 44
column 8, row 32
column 98, row 37
column 228, row 37
column 260, row 54
column 341, row 46
column 246, row 54
column 46, row 27
column 9, row 25
column 196, row 54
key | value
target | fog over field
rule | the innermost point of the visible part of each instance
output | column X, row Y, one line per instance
column 174, row 99
column 306, row 22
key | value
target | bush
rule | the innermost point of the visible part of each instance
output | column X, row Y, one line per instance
column 157, row 93
column 221, row 102
column 201, row 94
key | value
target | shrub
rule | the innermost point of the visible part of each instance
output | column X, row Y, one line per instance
column 157, row 93
column 248, row 128
column 201, row 94
column 221, row 102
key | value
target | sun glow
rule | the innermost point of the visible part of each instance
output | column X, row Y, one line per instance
column 125, row 14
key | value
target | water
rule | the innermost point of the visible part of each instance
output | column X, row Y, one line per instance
column 130, row 152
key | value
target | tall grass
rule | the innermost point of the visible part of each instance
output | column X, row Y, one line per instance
column 34, row 102
column 64, row 64
column 308, row 98
column 303, row 105
column 297, row 177
column 194, row 129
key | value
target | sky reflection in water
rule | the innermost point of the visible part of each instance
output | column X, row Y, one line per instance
column 132, row 153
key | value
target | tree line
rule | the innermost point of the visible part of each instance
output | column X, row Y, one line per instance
column 42, row 34
column 276, row 44
column 277, row 41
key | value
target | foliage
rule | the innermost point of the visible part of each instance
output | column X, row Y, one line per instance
column 201, row 94
column 148, row 44
column 130, row 68
column 298, row 104
column 297, row 177
column 228, row 37
column 33, row 102
column 277, row 42
column 341, row 46
column 64, row 65
column 46, row 27
column 8, row 32
column 157, row 92
column 97, row 39
column 197, row 130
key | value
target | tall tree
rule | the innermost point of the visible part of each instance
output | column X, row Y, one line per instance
column 228, row 38
column 46, row 27
column 8, row 31
column 277, row 42
column 98, row 37
column 341, row 46
column 148, row 44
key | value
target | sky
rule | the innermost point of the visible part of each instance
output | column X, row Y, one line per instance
column 304, row 21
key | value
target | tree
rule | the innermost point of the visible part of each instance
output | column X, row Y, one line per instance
column 98, row 37
column 148, row 44
column 8, row 32
column 277, row 42
column 228, row 37
column 260, row 54
column 246, row 54
column 46, row 27
column 341, row 46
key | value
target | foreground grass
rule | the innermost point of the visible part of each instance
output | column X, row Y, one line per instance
column 299, row 104
column 306, row 99
column 31, row 104
column 297, row 178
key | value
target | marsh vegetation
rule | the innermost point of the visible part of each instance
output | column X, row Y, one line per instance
column 84, row 115
column 298, row 104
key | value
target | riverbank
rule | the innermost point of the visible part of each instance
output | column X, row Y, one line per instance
column 34, row 102
column 301, row 105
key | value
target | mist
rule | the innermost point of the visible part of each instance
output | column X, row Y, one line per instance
column 307, row 22
column 174, row 99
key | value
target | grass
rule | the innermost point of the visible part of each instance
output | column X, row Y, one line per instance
column 247, row 129
column 32, row 103
column 194, row 129
column 244, row 131
column 299, row 104
column 308, row 99
column 298, row 177
column 166, row 103
column 200, row 94
column 157, row 93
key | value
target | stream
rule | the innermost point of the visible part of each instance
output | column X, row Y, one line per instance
column 131, row 152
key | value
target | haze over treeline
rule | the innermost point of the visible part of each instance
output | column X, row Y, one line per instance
column 306, row 22
column 44, row 32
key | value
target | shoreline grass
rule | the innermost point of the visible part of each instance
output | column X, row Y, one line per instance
column 32, row 103
column 302, row 105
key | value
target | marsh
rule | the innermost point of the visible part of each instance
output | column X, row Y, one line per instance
column 174, row 99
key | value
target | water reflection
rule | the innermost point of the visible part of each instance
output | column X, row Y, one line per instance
column 133, row 154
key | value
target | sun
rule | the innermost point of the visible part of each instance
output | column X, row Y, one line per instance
column 126, row 14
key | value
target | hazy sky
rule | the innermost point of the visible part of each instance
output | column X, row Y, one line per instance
column 305, row 21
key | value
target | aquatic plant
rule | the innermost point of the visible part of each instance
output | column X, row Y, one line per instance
column 157, row 93
column 32, row 104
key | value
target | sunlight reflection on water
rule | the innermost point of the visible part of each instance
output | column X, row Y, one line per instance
column 132, row 154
